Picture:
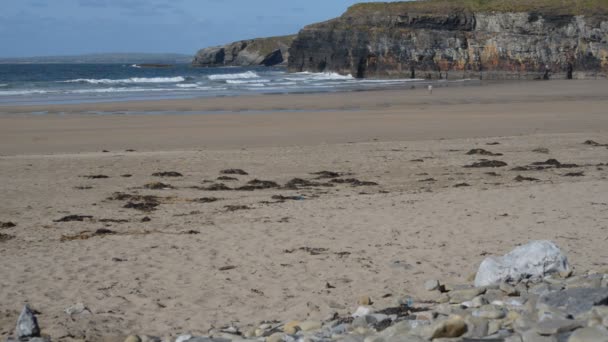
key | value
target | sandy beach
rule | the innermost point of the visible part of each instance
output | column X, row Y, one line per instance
column 400, row 206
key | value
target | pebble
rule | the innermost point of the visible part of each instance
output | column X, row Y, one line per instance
column 133, row 338
column 365, row 300
column 510, row 290
column 459, row 296
column 276, row 337
column 77, row 309
column 556, row 326
column 27, row 324
column 595, row 334
column 490, row 312
column 310, row 325
column 291, row 327
column 478, row 302
column 362, row 311
column 454, row 326
column 431, row 285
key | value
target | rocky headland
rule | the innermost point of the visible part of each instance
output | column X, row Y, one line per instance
column 438, row 39
column 252, row 52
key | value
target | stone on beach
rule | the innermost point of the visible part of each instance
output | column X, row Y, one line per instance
column 535, row 259
column 27, row 324
column 431, row 285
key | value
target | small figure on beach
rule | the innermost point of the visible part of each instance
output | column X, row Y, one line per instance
column 547, row 71
column 430, row 88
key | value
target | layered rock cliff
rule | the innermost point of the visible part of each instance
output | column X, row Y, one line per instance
column 262, row 51
column 490, row 39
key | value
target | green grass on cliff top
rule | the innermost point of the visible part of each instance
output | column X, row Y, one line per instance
column 557, row 7
column 270, row 44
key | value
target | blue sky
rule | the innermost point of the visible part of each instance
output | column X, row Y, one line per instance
column 64, row 27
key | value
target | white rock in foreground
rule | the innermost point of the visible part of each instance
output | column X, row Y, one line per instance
column 535, row 259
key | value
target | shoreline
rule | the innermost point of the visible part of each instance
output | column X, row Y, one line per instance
column 504, row 109
column 409, row 95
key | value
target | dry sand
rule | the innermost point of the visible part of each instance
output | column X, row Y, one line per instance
column 195, row 265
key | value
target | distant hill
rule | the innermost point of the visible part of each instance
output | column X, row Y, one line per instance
column 101, row 58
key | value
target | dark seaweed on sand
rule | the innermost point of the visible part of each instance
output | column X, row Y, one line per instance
column 353, row 182
column 482, row 152
column 74, row 218
column 257, row 184
column 167, row 174
column 487, row 163
column 234, row 172
column 218, row 187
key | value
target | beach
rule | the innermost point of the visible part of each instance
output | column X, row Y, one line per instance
column 402, row 201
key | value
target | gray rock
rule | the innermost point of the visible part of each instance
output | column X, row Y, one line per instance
column 431, row 285
column 514, row 338
column 460, row 296
column 340, row 329
column 77, row 309
column 532, row 336
column 262, row 51
column 476, row 327
column 535, row 259
column 454, row 326
column 576, row 301
column 510, row 290
column 479, row 301
column 595, row 334
column 364, row 321
column 556, row 326
column 352, row 338
column 490, row 312
column 27, row 324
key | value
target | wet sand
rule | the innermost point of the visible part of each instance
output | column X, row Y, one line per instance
column 403, row 208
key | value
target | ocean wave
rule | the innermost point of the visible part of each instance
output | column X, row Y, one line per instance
column 3, row 85
column 255, row 80
column 323, row 76
column 401, row 80
column 117, row 90
column 220, row 77
column 135, row 66
column 187, row 85
column 23, row 92
column 129, row 80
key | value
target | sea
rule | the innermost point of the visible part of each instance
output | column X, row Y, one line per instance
column 32, row 84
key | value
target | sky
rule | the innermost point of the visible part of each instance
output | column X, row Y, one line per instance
column 67, row 27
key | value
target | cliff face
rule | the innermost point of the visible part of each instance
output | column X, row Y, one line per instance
column 262, row 51
column 426, row 40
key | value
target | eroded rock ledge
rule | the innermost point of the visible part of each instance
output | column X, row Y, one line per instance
column 262, row 51
column 459, row 39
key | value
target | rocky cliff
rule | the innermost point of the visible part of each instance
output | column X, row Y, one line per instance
column 490, row 39
column 262, row 51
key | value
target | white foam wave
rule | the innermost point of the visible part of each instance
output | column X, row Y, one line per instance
column 219, row 77
column 22, row 92
column 258, row 85
column 129, row 80
column 246, row 81
column 116, row 90
column 401, row 80
column 187, row 85
column 325, row 76
column 135, row 66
